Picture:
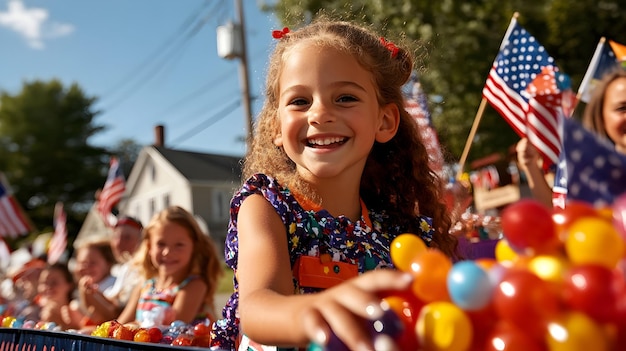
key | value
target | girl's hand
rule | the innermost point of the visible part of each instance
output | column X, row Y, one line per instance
column 86, row 284
column 527, row 155
column 343, row 309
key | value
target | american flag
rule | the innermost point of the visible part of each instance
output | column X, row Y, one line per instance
column 112, row 191
column 520, row 60
column 416, row 105
column 13, row 222
column 58, row 242
column 590, row 169
column 545, row 108
column 602, row 61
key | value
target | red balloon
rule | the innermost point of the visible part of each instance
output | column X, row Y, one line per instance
column 591, row 289
column 574, row 210
column 528, row 224
column 507, row 337
column 526, row 301
column 483, row 324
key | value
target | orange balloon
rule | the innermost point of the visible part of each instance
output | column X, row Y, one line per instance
column 485, row 263
column 430, row 270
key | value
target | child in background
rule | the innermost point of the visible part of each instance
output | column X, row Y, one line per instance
column 94, row 260
column 25, row 285
column 55, row 290
column 108, row 304
column 335, row 172
column 604, row 115
column 181, row 269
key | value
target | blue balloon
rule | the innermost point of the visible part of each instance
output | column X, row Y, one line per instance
column 469, row 286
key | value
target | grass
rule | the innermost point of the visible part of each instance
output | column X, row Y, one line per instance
column 226, row 282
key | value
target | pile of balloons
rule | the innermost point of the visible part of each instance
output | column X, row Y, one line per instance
column 557, row 284
column 178, row 333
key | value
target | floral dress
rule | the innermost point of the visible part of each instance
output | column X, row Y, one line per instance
column 363, row 244
column 154, row 307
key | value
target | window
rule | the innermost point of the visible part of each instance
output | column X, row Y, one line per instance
column 153, row 172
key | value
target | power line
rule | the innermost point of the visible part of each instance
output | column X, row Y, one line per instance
column 202, row 90
column 219, row 115
column 173, row 50
column 198, row 92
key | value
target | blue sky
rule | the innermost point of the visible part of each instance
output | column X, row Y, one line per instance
column 148, row 62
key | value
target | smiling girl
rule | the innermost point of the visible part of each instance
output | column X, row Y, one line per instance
column 335, row 172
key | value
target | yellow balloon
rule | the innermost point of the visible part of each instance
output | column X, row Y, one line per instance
column 504, row 252
column 594, row 241
column 549, row 268
column 575, row 331
column 442, row 326
column 404, row 249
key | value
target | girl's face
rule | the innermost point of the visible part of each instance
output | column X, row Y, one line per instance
column 53, row 286
column 614, row 113
column 170, row 248
column 329, row 112
column 91, row 262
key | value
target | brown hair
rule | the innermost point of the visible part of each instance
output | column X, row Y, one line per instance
column 204, row 261
column 593, row 116
column 103, row 246
column 397, row 177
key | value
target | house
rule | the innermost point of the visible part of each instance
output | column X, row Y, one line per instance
column 201, row 183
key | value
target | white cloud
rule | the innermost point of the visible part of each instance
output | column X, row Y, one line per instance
column 32, row 24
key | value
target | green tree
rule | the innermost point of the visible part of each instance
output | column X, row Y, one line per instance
column 457, row 41
column 127, row 150
column 45, row 151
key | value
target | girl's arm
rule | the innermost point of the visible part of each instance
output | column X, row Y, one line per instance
column 129, row 312
column 528, row 159
column 189, row 300
column 270, row 312
column 101, row 308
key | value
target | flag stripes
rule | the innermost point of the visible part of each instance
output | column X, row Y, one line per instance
column 12, row 221
column 521, row 86
column 112, row 191
column 58, row 242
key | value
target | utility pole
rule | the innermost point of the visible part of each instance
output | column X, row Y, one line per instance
column 231, row 43
column 243, row 73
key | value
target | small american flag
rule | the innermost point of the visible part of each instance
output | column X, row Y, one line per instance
column 602, row 61
column 417, row 106
column 520, row 60
column 58, row 242
column 112, row 191
column 544, row 111
column 13, row 222
column 590, row 170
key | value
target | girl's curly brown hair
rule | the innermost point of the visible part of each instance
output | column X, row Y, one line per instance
column 397, row 177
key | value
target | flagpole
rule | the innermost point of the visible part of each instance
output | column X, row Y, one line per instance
column 470, row 138
column 593, row 64
column 483, row 103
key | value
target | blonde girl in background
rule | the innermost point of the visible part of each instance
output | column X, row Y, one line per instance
column 181, row 269
column 336, row 170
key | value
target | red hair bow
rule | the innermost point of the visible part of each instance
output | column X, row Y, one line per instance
column 279, row 34
column 390, row 46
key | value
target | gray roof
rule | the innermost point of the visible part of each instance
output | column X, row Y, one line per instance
column 196, row 166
